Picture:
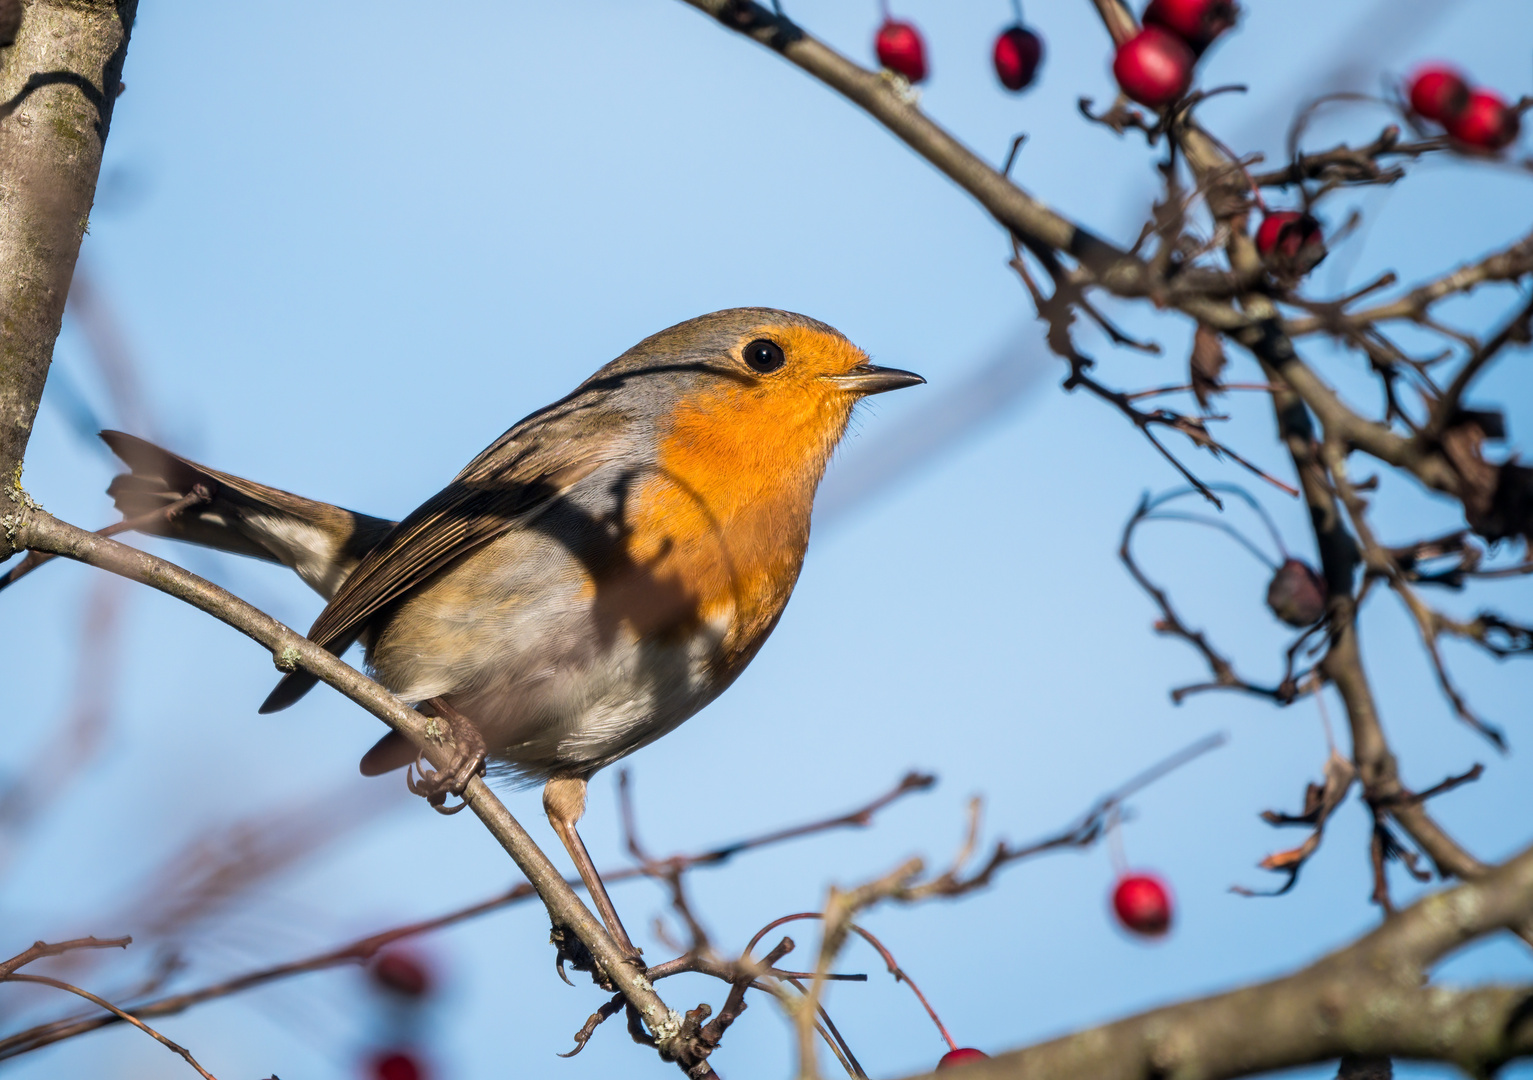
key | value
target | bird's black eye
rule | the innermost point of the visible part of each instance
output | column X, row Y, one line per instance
column 764, row 356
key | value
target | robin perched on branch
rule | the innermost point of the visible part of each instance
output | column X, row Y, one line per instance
column 596, row 576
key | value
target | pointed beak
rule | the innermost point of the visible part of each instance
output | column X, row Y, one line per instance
column 865, row 379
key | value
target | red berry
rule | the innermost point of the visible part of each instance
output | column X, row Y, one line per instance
column 1017, row 53
column 1143, row 904
column 1297, row 594
column 1486, row 122
column 901, row 50
column 400, row 972
column 1438, row 93
column 1197, row 22
column 1292, row 242
column 1154, row 67
column 396, row 1065
column 960, row 1056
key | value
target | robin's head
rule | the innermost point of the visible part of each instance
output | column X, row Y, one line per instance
column 751, row 388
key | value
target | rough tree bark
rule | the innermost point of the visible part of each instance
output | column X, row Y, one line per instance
column 57, row 86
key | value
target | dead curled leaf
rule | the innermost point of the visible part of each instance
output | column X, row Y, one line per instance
column 1320, row 801
column 1206, row 364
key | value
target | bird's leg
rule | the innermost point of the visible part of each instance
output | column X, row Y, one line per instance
column 564, row 800
column 436, row 785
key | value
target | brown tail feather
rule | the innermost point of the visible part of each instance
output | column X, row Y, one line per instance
column 323, row 543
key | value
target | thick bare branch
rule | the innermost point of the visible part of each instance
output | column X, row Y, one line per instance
column 1366, row 999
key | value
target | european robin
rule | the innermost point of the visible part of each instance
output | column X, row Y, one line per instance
column 596, row 576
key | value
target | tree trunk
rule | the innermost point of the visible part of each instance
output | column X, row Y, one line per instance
column 57, row 86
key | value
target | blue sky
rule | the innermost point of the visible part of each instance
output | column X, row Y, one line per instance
column 348, row 247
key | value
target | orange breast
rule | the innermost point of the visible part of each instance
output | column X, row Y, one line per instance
column 720, row 530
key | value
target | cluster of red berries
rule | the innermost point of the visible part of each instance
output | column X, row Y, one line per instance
column 1476, row 118
column 1017, row 53
column 1154, row 67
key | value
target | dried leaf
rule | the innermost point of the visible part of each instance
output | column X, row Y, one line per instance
column 1320, row 800
column 1206, row 364
column 1285, row 860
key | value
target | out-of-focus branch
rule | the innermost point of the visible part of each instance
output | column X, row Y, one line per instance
column 1368, row 999
column 10, row 972
column 1350, row 164
column 32, row 528
column 57, row 86
column 1518, row 329
column 169, row 1044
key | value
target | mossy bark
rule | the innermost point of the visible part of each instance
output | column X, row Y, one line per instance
column 57, row 86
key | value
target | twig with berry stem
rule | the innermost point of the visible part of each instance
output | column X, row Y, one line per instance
column 899, row 973
column 1118, row 20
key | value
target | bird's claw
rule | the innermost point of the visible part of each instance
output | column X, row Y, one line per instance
column 434, row 785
